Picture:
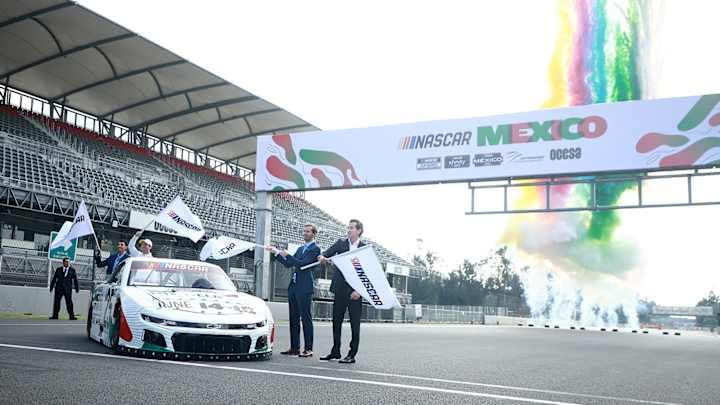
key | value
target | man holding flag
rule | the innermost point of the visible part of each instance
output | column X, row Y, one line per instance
column 346, row 298
column 114, row 259
column 145, row 246
column 300, row 290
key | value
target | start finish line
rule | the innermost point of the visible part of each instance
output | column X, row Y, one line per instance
column 633, row 136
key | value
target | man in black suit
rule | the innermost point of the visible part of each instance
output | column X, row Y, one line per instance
column 62, row 282
column 345, row 297
column 300, row 290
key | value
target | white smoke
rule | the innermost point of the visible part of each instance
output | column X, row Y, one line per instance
column 578, row 299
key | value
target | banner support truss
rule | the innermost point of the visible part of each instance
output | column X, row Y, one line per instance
column 695, row 187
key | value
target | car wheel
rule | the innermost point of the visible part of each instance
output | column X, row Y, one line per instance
column 115, row 338
column 89, row 321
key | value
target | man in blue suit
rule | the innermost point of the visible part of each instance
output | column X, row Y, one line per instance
column 300, row 290
column 114, row 259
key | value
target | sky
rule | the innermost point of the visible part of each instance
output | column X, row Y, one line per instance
column 358, row 64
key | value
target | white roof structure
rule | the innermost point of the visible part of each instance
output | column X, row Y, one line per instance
column 63, row 52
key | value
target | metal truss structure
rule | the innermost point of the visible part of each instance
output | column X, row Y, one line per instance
column 696, row 187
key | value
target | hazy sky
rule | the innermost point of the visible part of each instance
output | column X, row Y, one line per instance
column 341, row 65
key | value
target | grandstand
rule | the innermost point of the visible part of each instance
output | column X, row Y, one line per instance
column 59, row 149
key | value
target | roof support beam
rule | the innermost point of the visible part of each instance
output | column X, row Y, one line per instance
column 36, row 13
column 227, row 119
column 118, row 77
column 160, row 97
column 257, row 134
column 67, row 52
column 199, row 108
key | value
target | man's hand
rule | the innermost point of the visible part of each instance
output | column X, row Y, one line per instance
column 97, row 252
column 282, row 253
column 322, row 259
column 355, row 296
column 270, row 248
column 138, row 233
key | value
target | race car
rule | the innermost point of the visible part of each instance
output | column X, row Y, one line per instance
column 178, row 309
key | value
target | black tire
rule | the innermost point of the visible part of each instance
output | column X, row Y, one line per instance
column 89, row 320
column 115, row 338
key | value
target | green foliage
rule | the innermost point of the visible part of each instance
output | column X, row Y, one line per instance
column 489, row 282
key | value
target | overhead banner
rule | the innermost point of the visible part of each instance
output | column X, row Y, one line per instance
column 626, row 136
column 363, row 271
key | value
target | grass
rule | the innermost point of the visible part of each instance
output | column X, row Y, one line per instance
column 20, row 315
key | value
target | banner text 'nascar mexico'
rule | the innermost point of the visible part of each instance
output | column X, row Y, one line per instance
column 584, row 139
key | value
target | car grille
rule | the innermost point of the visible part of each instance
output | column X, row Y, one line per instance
column 210, row 344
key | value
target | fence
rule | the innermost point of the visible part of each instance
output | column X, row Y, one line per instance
column 33, row 268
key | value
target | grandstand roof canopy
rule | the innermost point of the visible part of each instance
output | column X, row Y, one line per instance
column 65, row 53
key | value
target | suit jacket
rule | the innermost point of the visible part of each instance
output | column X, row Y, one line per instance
column 304, row 282
column 64, row 283
column 338, row 285
column 110, row 262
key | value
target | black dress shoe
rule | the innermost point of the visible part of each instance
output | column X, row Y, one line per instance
column 53, row 317
column 72, row 318
column 347, row 360
column 306, row 353
column 330, row 357
column 291, row 352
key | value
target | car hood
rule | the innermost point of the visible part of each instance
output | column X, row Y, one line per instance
column 207, row 302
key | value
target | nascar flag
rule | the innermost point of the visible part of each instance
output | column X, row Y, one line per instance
column 178, row 217
column 364, row 273
column 81, row 226
column 222, row 247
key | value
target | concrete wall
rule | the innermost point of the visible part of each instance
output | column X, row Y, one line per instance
column 505, row 320
column 38, row 300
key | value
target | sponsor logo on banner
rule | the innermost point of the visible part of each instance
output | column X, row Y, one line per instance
column 457, row 161
column 566, row 154
column 177, row 218
column 442, row 140
column 369, row 287
column 569, row 129
column 487, row 159
column 429, row 163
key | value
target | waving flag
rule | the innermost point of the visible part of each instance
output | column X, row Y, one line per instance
column 364, row 273
column 222, row 247
column 81, row 226
column 178, row 217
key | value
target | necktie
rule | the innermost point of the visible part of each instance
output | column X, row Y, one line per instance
column 66, row 270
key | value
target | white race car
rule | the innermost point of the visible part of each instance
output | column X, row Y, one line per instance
column 178, row 309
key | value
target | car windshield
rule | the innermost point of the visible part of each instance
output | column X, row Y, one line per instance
column 178, row 275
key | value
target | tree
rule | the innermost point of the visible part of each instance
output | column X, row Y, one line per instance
column 712, row 300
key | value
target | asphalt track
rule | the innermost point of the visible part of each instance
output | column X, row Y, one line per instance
column 54, row 362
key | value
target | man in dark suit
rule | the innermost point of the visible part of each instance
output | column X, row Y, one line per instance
column 345, row 297
column 300, row 290
column 62, row 282
column 114, row 259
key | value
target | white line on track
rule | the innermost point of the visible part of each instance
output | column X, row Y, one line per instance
column 42, row 324
column 298, row 375
column 505, row 387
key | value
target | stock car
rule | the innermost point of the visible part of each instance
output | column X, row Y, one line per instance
column 178, row 309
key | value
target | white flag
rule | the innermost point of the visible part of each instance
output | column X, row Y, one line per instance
column 81, row 226
column 364, row 273
column 62, row 233
column 178, row 217
column 222, row 247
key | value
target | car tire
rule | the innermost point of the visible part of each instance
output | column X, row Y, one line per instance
column 89, row 321
column 115, row 338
